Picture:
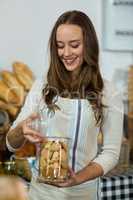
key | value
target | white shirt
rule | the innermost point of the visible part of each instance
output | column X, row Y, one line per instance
column 76, row 120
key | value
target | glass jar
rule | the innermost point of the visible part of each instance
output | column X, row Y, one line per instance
column 23, row 168
column 53, row 159
column 9, row 167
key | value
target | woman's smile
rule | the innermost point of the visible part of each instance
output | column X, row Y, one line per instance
column 70, row 61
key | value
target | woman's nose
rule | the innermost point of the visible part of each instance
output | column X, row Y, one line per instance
column 67, row 51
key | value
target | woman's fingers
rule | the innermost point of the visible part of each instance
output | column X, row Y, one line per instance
column 66, row 183
column 71, row 181
column 33, row 139
column 29, row 133
column 71, row 172
column 31, row 118
column 32, row 135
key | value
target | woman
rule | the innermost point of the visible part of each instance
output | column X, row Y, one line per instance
column 76, row 102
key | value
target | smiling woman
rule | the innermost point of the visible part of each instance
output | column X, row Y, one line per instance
column 74, row 102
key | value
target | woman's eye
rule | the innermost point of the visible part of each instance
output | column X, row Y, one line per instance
column 75, row 46
column 70, row 45
column 60, row 47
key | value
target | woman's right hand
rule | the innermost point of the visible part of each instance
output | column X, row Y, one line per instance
column 29, row 133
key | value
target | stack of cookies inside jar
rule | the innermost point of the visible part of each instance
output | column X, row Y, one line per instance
column 53, row 160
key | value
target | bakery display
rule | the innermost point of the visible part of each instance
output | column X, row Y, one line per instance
column 53, row 160
column 12, row 98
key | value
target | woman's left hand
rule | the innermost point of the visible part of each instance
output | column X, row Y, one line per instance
column 71, row 181
column 90, row 172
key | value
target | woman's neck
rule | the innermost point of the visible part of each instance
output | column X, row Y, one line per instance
column 75, row 74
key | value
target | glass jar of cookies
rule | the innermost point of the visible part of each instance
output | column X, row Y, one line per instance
column 53, row 159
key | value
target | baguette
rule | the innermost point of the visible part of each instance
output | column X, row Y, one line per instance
column 11, row 109
column 12, row 82
column 23, row 74
column 7, row 94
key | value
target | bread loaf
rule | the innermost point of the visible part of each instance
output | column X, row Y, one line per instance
column 12, row 82
column 24, row 74
column 11, row 109
column 7, row 94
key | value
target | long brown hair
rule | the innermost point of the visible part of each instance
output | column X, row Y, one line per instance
column 89, row 84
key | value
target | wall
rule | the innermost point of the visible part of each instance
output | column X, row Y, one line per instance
column 25, row 27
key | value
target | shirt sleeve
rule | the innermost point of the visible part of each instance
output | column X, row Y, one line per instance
column 112, row 130
column 30, row 106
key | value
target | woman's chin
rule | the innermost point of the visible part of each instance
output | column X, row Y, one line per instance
column 71, row 68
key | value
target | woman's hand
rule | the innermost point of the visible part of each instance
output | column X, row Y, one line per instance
column 24, row 131
column 29, row 133
column 90, row 172
column 71, row 181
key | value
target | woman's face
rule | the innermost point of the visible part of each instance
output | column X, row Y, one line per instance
column 69, row 40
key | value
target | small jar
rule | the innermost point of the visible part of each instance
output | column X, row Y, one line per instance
column 9, row 167
column 23, row 168
column 53, row 159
